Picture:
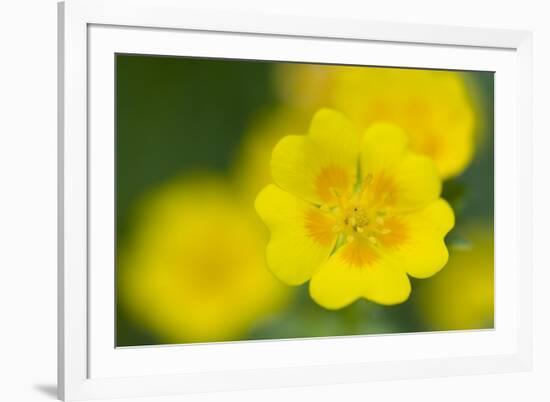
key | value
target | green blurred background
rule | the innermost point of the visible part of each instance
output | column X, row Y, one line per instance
column 175, row 115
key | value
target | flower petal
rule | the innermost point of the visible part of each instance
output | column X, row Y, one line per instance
column 337, row 283
column 387, row 284
column 317, row 165
column 301, row 234
column 397, row 178
column 356, row 271
column 382, row 147
column 417, row 182
column 424, row 252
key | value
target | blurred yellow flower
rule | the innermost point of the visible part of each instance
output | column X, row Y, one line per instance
column 462, row 296
column 354, row 216
column 432, row 107
column 195, row 270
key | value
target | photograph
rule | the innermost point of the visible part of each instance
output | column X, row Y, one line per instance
column 275, row 201
column 267, row 200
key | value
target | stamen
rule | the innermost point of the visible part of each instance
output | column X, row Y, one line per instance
column 372, row 240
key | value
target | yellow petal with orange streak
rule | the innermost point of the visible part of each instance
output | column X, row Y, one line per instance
column 357, row 270
column 302, row 235
column 320, row 166
column 423, row 253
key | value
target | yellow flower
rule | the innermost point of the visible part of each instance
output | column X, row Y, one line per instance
column 432, row 107
column 195, row 269
column 354, row 216
column 462, row 296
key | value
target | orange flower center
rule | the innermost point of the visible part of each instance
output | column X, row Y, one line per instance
column 357, row 222
column 364, row 219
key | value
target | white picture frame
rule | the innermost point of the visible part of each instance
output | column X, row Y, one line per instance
column 90, row 366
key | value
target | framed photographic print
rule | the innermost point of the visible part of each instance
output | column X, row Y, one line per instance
column 256, row 201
